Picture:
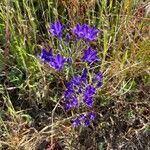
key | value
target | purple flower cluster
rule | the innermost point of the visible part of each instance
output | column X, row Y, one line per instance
column 90, row 55
column 80, row 93
column 55, row 61
column 81, row 89
column 56, row 29
column 84, row 119
column 81, row 31
column 85, row 32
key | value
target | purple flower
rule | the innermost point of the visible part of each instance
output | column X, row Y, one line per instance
column 78, row 30
column 57, row 62
column 85, row 32
column 68, row 93
column 91, row 33
column 56, row 29
column 69, row 85
column 76, row 81
column 76, row 122
column 88, row 101
column 98, row 76
column 92, row 115
column 86, row 122
column 84, row 75
column 72, row 102
column 99, row 84
column 46, row 55
column 67, row 107
column 98, row 79
column 90, row 55
column 89, row 91
column 82, row 117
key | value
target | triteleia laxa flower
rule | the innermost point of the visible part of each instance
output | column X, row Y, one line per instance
column 91, row 33
column 76, row 81
column 56, row 29
column 84, row 119
column 78, row 30
column 84, row 75
column 98, row 79
column 85, row 32
column 69, row 93
column 98, row 76
column 90, row 55
column 86, row 122
column 67, row 106
column 57, row 62
column 92, row 115
column 76, row 122
column 72, row 103
column 46, row 55
column 79, row 86
column 90, row 91
column 88, row 101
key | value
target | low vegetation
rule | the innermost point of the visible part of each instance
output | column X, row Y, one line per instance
column 32, row 112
